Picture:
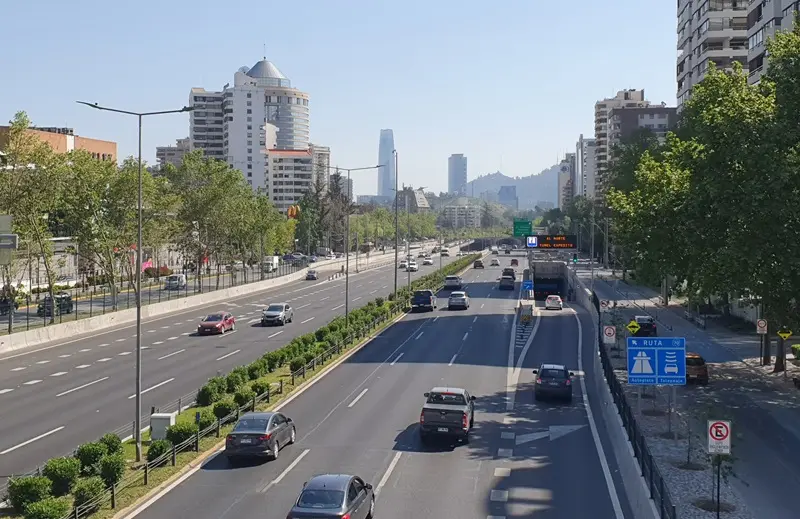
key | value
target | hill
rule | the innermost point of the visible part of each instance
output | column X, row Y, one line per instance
column 531, row 189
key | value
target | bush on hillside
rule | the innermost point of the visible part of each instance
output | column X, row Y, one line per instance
column 112, row 442
column 181, row 432
column 296, row 364
column 48, row 508
column 157, row 449
column 224, row 408
column 112, row 468
column 90, row 454
column 237, row 377
column 28, row 489
column 85, row 493
column 244, row 396
column 259, row 387
column 63, row 473
column 207, row 419
column 256, row 369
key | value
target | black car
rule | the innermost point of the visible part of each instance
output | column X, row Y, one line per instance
column 63, row 305
column 478, row 264
column 259, row 435
column 334, row 495
column 553, row 381
column 647, row 326
column 6, row 304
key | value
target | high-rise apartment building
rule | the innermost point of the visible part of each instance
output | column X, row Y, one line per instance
column 625, row 122
column 386, row 174
column 173, row 154
column 457, row 174
column 291, row 175
column 764, row 19
column 709, row 30
column 565, row 176
column 584, row 168
column 462, row 216
column 507, row 196
column 630, row 98
column 321, row 158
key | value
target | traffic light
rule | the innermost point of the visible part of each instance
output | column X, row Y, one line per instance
column 575, row 258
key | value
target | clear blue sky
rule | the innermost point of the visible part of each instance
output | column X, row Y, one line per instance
column 510, row 83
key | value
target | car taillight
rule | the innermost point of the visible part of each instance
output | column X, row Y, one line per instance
column 422, row 417
column 464, row 422
column 346, row 516
column 265, row 437
column 569, row 382
column 539, row 380
column 229, row 438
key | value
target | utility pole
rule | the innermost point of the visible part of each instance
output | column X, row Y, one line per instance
column 591, row 253
column 396, row 227
column 408, row 240
column 608, row 246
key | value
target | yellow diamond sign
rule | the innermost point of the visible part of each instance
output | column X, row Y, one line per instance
column 785, row 334
column 633, row 326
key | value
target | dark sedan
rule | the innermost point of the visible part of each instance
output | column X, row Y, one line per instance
column 312, row 275
column 553, row 381
column 259, row 435
column 334, row 495
column 219, row 322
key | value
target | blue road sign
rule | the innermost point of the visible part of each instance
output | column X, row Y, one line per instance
column 527, row 285
column 657, row 361
column 532, row 242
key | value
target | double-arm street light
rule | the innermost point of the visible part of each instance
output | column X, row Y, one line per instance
column 138, row 419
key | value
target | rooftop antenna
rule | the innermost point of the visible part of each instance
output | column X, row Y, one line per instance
column 265, row 51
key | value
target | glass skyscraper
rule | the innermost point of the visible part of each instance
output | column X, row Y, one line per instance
column 386, row 175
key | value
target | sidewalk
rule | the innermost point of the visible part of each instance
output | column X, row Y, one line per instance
column 763, row 407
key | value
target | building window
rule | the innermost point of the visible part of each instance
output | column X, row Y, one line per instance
column 249, row 95
column 249, row 150
column 249, row 111
column 249, row 103
column 249, row 119
column 249, row 143
column 249, row 166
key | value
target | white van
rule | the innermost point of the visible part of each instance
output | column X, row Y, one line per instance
column 175, row 282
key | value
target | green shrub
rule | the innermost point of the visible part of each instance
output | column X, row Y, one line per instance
column 296, row 363
column 208, row 394
column 26, row 490
column 224, row 408
column 309, row 356
column 257, row 369
column 63, row 472
column 181, row 432
column 322, row 334
column 244, row 396
column 308, row 339
column 90, row 454
column 379, row 301
column 112, row 442
column 112, row 468
column 259, row 387
column 48, row 508
column 207, row 419
column 87, row 490
column 157, row 449
column 236, row 378
column 271, row 360
column 796, row 351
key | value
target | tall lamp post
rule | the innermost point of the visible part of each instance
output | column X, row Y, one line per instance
column 138, row 419
column 396, row 228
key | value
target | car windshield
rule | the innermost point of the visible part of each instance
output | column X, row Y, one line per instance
column 553, row 298
column 694, row 361
column 251, row 424
column 312, row 272
column 553, row 373
column 458, row 294
column 422, row 293
column 321, row 499
column 213, row 318
column 275, row 308
column 446, row 398
column 451, row 278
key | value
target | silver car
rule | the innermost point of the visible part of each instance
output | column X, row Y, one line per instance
column 334, row 496
column 259, row 435
column 277, row 314
column 458, row 300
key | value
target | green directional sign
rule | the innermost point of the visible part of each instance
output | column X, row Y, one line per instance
column 522, row 227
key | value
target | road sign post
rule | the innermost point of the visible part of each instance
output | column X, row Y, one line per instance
column 657, row 361
column 761, row 327
column 719, row 444
column 609, row 335
column 785, row 334
column 633, row 327
column 605, row 305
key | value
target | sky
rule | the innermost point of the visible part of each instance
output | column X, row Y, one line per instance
column 510, row 84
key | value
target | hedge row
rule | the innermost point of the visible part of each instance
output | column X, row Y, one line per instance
column 77, row 481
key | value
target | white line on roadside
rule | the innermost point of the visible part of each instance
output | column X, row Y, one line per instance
column 324, row 298
column 482, row 305
column 356, row 299
column 464, row 338
column 83, row 366
column 4, row 391
column 168, row 355
column 453, row 359
column 171, row 338
column 68, row 391
column 28, row 442
column 301, row 307
column 388, row 473
column 186, row 333
column 436, row 318
column 124, row 353
column 274, row 334
column 475, row 319
column 356, row 399
column 32, row 382
column 418, row 336
column 251, row 321
column 396, row 359
column 229, row 354
column 153, row 387
column 286, row 470
column 58, row 374
column 43, row 362
column 20, row 368
column 307, row 320
column 337, row 307
column 65, row 356
column 104, row 345
column 104, row 359
column 157, row 343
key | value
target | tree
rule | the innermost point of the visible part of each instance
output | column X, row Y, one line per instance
column 625, row 158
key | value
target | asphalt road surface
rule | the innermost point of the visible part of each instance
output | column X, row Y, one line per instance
column 59, row 396
column 362, row 419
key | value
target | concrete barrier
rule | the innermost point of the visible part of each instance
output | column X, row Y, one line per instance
column 636, row 490
column 23, row 340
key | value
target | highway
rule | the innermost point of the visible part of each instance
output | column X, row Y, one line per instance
column 58, row 396
column 522, row 460
column 88, row 304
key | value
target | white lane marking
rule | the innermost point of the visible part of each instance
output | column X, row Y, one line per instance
column 505, row 453
column 43, row 362
column 82, row 366
column 436, row 318
column 28, row 442
column 389, row 470
column 65, row 356
column 307, row 320
column 498, row 496
column 68, row 391
column 384, row 286
column 356, row 299
column 20, row 368
column 301, row 307
column 482, row 304
column 475, row 319
column 464, row 338
column 286, row 471
column 171, row 338
column 176, row 324
column 502, row 472
column 420, row 335
column 360, row 395
column 396, row 359
column 104, row 345
column 324, row 298
column 153, row 387
column 164, row 327
column 85, row 350
column 512, row 377
column 251, row 321
column 4, row 391
column 104, row 359
column 157, row 343
column 168, row 355
column 274, row 334
column 58, row 373
column 121, row 340
column 507, row 435
column 152, row 331
column 32, row 382
column 186, row 333
column 229, row 354
column 337, row 307
column 612, row 489
column 453, row 359
column 372, row 291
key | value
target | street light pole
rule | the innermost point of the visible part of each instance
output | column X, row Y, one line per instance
column 591, row 253
column 396, row 228
column 139, row 116
column 408, row 239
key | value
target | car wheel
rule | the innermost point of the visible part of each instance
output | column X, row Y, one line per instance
column 283, row 322
column 276, row 450
column 233, row 327
column 292, row 436
column 472, row 421
column 371, row 513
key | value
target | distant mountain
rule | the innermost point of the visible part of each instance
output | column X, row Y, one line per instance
column 531, row 189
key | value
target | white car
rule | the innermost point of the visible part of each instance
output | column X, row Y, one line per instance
column 553, row 303
column 458, row 300
column 495, row 262
column 427, row 261
column 412, row 266
column 452, row 283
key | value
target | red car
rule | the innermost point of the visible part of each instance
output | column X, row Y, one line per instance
column 219, row 322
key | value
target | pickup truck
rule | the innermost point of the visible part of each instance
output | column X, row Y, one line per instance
column 447, row 412
column 423, row 300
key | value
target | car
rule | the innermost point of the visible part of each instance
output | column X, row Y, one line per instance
column 506, row 283
column 277, row 314
column 175, row 282
column 478, row 264
column 340, row 496
column 313, row 259
column 259, row 435
column 312, row 275
column 423, row 300
column 495, row 262
column 452, row 283
column 553, row 381
column 696, row 369
column 445, row 253
column 553, row 303
column 647, row 326
column 63, row 305
column 508, row 271
column 461, row 253
column 6, row 304
column 412, row 266
column 427, row 261
column 218, row 322
column 458, row 300
column 448, row 412
column 421, row 254
column 508, row 251
column 515, row 262
column 403, row 264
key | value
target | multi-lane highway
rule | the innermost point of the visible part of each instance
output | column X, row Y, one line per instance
column 58, row 396
column 524, row 459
